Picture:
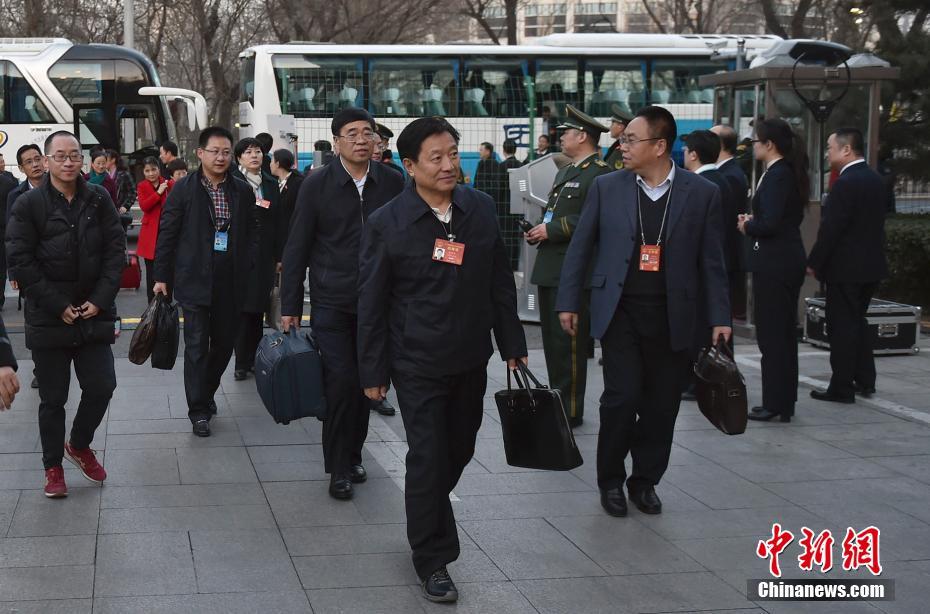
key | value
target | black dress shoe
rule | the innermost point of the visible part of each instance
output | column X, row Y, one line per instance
column 575, row 421
column 340, row 487
column 865, row 391
column 202, row 428
column 439, row 587
column 826, row 395
column 357, row 474
column 35, row 382
column 646, row 500
column 764, row 415
column 383, row 407
column 689, row 395
column 614, row 502
column 240, row 374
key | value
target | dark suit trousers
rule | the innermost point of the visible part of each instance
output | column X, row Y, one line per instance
column 566, row 356
column 850, row 339
column 209, row 336
column 346, row 425
column 250, row 334
column 643, row 381
column 775, row 306
column 441, row 416
column 93, row 365
column 149, row 278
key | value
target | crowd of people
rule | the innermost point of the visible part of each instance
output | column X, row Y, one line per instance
column 409, row 274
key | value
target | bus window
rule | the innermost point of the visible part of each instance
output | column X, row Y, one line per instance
column 413, row 87
column 556, row 85
column 18, row 101
column 81, row 81
column 494, row 87
column 129, row 78
column 676, row 81
column 608, row 83
column 317, row 86
column 137, row 127
column 247, row 81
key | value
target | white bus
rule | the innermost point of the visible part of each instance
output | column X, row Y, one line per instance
column 487, row 91
column 105, row 94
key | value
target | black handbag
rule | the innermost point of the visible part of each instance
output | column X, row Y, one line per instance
column 536, row 430
column 721, row 389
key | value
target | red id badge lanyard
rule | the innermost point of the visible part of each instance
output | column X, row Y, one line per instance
column 650, row 255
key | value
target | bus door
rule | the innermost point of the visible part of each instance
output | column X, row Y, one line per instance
column 95, row 125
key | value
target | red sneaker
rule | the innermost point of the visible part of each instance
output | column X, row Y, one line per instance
column 85, row 460
column 55, row 487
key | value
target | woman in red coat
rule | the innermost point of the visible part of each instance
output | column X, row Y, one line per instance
column 153, row 191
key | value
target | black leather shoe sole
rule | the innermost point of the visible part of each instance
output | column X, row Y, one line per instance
column 762, row 415
column 614, row 507
column 35, row 383
column 823, row 395
column 865, row 392
column 202, row 428
column 385, row 410
column 357, row 474
column 240, row 375
column 447, row 597
column 340, row 489
column 644, row 506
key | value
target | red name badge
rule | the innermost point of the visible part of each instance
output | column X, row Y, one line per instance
column 449, row 252
column 649, row 258
column 261, row 202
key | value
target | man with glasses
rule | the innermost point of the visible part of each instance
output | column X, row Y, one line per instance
column 659, row 240
column 66, row 248
column 566, row 355
column 202, row 257
column 332, row 207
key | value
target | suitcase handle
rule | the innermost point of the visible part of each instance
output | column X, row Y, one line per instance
column 521, row 385
column 528, row 375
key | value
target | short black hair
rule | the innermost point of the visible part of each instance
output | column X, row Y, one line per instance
column 213, row 131
column 322, row 145
column 728, row 139
column 284, row 158
column 97, row 152
column 349, row 115
column 265, row 141
column 544, row 136
column 22, row 150
column 705, row 144
column 151, row 161
column 55, row 135
column 411, row 138
column 178, row 164
column 386, row 155
column 244, row 144
column 510, row 146
column 661, row 125
column 852, row 137
column 488, row 146
column 172, row 147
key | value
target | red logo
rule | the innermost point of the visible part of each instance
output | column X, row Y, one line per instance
column 859, row 549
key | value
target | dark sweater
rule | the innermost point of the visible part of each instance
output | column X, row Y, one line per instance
column 648, row 285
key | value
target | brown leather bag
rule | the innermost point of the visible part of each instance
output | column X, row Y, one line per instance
column 721, row 389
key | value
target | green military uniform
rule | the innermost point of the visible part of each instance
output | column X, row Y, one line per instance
column 614, row 157
column 566, row 356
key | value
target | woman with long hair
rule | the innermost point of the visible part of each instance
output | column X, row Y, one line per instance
column 777, row 259
column 153, row 192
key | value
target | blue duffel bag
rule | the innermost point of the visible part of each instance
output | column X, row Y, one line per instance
column 289, row 376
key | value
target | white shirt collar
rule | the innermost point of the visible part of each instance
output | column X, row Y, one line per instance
column 722, row 162
column 705, row 168
column 668, row 180
column 769, row 165
column 854, row 162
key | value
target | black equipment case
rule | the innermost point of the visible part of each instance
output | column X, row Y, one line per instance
column 895, row 327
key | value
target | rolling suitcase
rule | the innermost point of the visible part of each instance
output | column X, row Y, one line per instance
column 289, row 376
column 132, row 272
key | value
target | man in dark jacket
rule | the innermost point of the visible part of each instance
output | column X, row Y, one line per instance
column 282, row 167
column 510, row 228
column 202, row 255
column 434, row 280
column 849, row 257
column 332, row 208
column 730, row 168
column 7, row 184
column 66, row 247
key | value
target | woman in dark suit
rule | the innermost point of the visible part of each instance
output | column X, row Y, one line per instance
column 776, row 259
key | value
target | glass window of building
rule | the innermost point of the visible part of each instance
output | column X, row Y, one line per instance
column 545, row 19
column 596, row 17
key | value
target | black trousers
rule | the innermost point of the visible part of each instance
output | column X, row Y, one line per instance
column 250, row 334
column 850, row 339
column 643, row 382
column 441, row 416
column 346, row 425
column 775, row 307
column 93, row 365
column 149, row 278
column 209, row 336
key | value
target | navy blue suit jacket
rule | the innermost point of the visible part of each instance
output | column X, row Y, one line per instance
column 692, row 254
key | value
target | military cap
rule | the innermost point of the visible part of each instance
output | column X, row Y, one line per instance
column 617, row 114
column 383, row 131
column 580, row 120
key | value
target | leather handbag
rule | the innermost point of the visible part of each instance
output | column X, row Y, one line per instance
column 289, row 376
column 536, row 430
column 721, row 389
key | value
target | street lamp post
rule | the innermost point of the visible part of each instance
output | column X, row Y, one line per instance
column 128, row 19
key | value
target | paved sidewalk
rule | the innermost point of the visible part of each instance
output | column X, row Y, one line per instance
column 241, row 522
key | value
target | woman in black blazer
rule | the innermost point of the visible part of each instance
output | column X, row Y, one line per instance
column 776, row 259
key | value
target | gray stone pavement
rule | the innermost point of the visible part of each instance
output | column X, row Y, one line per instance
column 241, row 522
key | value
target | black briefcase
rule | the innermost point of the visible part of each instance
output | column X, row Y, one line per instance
column 536, row 430
column 721, row 390
column 289, row 376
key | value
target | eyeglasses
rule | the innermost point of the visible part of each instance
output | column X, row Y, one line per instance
column 359, row 138
column 632, row 142
column 218, row 153
column 36, row 161
column 61, row 157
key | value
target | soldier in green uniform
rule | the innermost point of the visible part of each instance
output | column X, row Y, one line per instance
column 618, row 121
column 566, row 356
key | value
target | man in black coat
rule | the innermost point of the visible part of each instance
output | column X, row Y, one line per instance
column 510, row 228
column 659, row 242
column 282, row 167
column 849, row 257
column 434, row 280
column 202, row 258
column 332, row 208
column 739, row 189
column 66, row 250
column 7, row 184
